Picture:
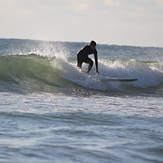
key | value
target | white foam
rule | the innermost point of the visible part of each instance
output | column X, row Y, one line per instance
column 71, row 73
column 147, row 75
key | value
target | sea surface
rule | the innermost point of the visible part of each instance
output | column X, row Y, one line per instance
column 50, row 111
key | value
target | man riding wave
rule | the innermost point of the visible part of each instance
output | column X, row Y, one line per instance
column 82, row 56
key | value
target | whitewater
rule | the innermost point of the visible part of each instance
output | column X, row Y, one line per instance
column 50, row 111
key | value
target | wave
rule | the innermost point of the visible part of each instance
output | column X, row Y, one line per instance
column 30, row 73
column 27, row 72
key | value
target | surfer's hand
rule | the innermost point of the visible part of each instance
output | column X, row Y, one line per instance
column 97, row 71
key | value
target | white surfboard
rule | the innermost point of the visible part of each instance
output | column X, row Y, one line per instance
column 117, row 79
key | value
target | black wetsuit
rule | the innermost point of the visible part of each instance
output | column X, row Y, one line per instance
column 82, row 55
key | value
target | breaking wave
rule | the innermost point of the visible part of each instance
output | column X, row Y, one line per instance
column 30, row 73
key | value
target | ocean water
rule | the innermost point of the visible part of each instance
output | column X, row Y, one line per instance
column 52, row 112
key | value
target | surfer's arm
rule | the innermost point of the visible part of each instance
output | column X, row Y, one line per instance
column 96, row 62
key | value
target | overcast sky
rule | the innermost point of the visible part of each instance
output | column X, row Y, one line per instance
column 120, row 22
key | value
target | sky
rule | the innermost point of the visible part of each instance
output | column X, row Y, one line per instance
column 113, row 22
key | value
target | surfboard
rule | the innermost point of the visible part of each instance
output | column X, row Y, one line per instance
column 117, row 79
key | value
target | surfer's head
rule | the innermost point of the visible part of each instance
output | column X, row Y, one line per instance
column 92, row 44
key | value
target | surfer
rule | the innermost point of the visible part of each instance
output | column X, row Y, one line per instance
column 82, row 56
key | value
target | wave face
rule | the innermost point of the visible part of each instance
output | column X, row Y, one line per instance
column 29, row 66
column 29, row 73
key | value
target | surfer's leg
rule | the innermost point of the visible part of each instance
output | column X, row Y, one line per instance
column 90, row 62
